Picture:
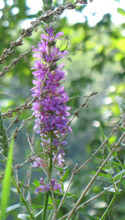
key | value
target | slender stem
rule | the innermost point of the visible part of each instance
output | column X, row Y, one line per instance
column 51, row 156
column 62, row 200
column 112, row 201
column 109, row 206
column 46, row 199
column 49, row 177
column 50, row 215
column 45, row 205
column 53, row 198
column 23, row 199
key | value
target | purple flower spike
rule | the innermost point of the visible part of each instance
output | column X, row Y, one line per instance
column 50, row 108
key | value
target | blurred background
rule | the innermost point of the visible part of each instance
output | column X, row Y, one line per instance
column 96, row 62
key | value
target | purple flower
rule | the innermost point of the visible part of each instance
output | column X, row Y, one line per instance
column 46, row 188
column 59, row 158
column 56, row 185
column 38, row 162
column 50, row 108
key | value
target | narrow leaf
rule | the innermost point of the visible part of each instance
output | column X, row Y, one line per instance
column 65, row 176
column 102, row 133
column 13, row 207
column 24, row 216
column 6, row 183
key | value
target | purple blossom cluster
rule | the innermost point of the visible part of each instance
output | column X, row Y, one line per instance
column 46, row 188
column 50, row 108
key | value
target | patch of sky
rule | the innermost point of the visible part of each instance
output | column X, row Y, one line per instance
column 93, row 12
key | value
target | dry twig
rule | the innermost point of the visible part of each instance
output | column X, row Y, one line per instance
column 34, row 24
column 102, row 145
column 94, row 177
column 13, row 63
column 94, row 197
column 26, row 105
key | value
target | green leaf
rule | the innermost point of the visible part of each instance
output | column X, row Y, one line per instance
column 114, row 154
column 50, row 201
column 71, row 195
column 36, row 183
column 24, row 216
column 102, row 133
column 87, row 215
column 112, row 190
column 6, row 182
column 118, row 175
column 121, row 11
column 109, row 171
column 105, row 175
column 112, row 139
column 13, row 207
column 38, row 213
column 36, row 206
column 123, row 129
column 65, row 176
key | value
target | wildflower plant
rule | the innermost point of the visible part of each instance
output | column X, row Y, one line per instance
column 50, row 109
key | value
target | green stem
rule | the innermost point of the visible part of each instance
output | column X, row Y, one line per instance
column 49, row 174
column 23, row 199
column 112, row 201
column 109, row 206
column 51, row 156
column 45, row 205
column 50, row 215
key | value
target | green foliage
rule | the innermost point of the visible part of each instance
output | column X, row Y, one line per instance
column 6, row 182
column 47, row 4
column 65, row 176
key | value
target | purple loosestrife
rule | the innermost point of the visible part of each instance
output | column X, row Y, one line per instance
column 50, row 108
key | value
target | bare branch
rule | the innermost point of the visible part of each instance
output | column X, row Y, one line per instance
column 20, row 165
column 94, row 177
column 84, row 104
column 94, row 197
column 14, row 62
column 101, row 146
column 28, row 32
column 26, row 105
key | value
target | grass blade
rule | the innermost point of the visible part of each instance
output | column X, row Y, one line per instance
column 6, row 182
